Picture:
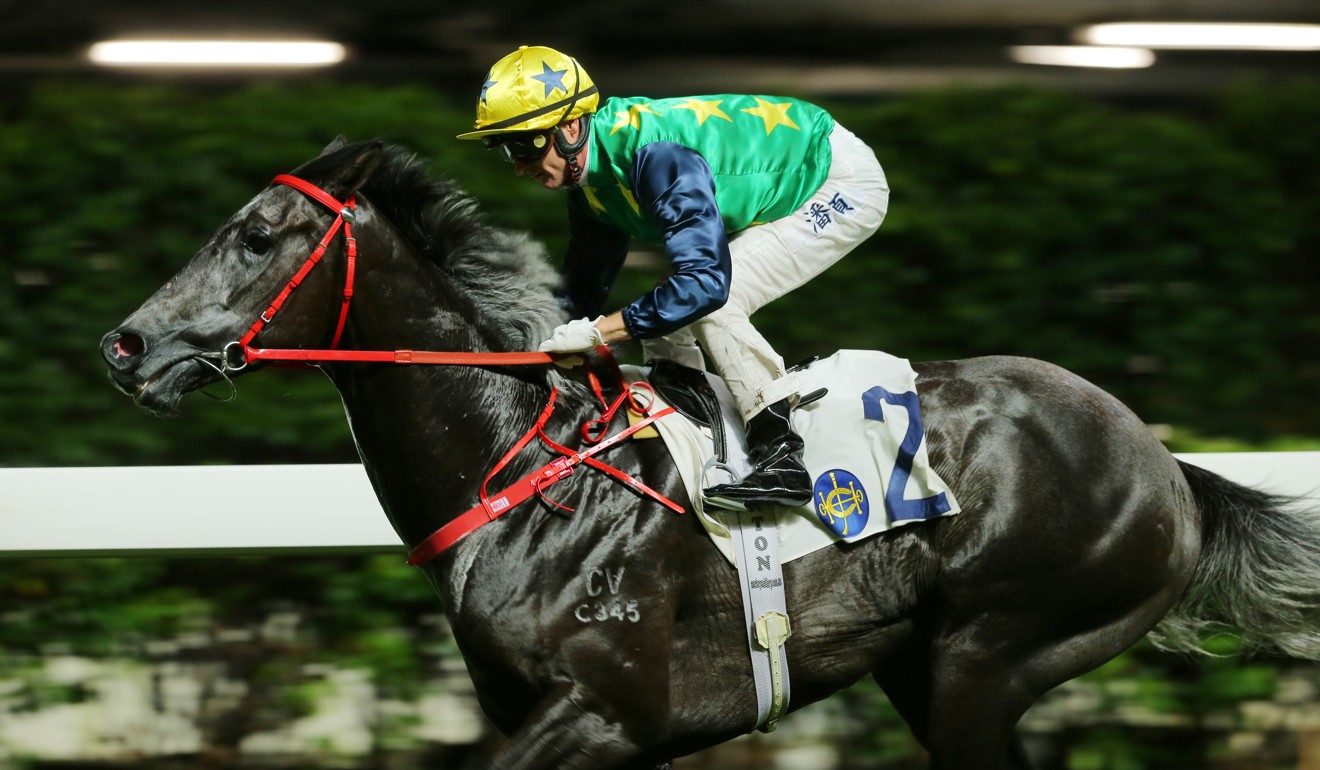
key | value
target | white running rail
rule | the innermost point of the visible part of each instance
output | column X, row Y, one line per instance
column 256, row 509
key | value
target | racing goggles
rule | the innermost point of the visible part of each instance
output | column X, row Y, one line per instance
column 525, row 146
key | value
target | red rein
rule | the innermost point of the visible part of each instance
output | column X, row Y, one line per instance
column 488, row 508
column 535, row 483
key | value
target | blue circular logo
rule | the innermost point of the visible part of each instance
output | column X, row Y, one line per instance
column 841, row 503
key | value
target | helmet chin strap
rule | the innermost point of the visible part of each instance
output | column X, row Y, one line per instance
column 570, row 150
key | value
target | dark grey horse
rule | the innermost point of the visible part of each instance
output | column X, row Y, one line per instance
column 1079, row 533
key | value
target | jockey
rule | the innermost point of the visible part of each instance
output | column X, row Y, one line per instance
column 750, row 196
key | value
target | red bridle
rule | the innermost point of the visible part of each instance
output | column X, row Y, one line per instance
column 345, row 213
column 488, row 508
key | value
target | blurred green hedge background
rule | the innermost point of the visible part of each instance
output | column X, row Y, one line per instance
column 1168, row 256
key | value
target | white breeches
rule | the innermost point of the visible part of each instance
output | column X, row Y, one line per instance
column 772, row 259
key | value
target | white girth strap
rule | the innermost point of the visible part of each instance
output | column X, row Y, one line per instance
column 761, row 577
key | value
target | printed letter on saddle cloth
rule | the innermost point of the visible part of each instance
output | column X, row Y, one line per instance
column 865, row 451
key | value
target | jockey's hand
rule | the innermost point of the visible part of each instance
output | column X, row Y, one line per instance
column 573, row 337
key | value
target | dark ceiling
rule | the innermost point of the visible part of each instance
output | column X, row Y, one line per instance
column 832, row 47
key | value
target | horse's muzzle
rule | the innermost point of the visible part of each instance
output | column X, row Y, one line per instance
column 124, row 351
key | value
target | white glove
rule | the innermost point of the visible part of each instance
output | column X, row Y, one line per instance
column 573, row 337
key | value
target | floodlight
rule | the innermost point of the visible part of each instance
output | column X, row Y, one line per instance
column 1277, row 37
column 216, row 53
column 1082, row 56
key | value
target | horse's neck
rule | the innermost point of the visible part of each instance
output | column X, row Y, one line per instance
column 428, row 435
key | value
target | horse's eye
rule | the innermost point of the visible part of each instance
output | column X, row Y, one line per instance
column 257, row 243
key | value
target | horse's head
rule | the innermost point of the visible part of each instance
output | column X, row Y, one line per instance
column 177, row 340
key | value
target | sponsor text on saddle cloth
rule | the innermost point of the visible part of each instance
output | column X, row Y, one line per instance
column 865, row 450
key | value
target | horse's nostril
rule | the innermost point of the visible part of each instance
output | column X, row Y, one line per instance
column 129, row 345
column 123, row 350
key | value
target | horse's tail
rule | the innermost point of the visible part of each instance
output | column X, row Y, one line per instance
column 1259, row 572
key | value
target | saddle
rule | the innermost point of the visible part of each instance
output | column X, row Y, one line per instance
column 691, row 394
column 865, row 447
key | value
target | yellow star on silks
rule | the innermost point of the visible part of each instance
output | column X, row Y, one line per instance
column 704, row 109
column 774, row 115
column 628, row 196
column 632, row 117
column 592, row 200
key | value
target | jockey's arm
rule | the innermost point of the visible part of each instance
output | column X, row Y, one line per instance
column 674, row 183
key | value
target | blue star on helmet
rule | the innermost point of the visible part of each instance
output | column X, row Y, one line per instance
column 486, row 87
column 551, row 78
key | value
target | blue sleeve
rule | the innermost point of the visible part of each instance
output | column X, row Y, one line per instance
column 675, row 185
column 595, row 253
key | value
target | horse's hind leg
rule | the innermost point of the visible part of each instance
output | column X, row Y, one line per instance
column 972, row 721
column 909, row 685
column 985, row 675
column 993, row 655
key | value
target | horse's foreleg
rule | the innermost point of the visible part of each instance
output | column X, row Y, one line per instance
column 565, row 732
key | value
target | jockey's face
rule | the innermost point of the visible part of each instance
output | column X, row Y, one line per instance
column 551, row 169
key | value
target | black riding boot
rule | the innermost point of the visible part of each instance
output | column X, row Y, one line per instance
column 778, row 476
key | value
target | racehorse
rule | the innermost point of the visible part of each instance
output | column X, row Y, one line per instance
column 1079, row 532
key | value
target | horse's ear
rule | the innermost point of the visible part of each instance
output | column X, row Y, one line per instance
column 355, row 165
column 342, row 169
column 337, row 144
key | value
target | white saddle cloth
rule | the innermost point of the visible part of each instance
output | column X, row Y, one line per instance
column 865, row 451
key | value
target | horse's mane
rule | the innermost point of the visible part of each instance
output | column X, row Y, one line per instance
column 505, row 273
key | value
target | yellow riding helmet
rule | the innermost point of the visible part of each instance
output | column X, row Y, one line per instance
column 533, row 88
